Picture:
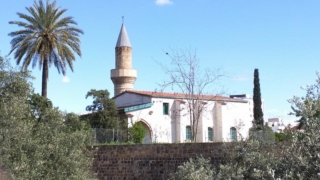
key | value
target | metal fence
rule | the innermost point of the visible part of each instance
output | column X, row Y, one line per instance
column 267, row 135
column 101, row 135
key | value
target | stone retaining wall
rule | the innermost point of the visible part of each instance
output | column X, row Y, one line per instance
column 150, row 161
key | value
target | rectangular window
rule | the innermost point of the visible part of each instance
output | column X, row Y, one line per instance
column 210, row 134
column 188, row 133
column 165, row 108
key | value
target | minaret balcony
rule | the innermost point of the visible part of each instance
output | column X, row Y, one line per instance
column 123, row 72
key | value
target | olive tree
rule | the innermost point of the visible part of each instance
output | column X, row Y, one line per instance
column 33, row 149
column 301, row 159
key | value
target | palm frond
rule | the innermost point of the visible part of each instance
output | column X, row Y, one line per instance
column 45, row 38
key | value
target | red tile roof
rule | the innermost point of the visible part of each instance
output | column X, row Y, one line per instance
column 294, row 128
column 177, row 95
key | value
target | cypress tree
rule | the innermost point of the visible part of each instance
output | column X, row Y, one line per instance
column 257, row 110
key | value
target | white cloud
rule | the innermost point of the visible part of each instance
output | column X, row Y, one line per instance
column 65, row 79
column 163, row 2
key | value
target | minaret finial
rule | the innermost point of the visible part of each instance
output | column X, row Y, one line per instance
column 122, row 19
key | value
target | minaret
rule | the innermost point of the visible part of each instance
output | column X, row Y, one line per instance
column 123, row 76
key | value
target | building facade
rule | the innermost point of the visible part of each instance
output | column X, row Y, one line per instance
column 276, row 124
column 166, row 116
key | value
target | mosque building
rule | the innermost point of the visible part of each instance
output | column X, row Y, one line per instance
column 166, row 116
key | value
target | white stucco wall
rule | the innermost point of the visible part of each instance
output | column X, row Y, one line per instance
column 161, row 125
column 207, row 120
column 130, row 99
column 172, row 127
column 237, row 115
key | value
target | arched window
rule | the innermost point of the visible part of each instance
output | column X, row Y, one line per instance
column 233, row 134
column 210, row 134
column 188, row 132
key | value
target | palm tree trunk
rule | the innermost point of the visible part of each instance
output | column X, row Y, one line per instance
column 45, row 71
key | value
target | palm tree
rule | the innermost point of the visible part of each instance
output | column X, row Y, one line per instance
column 45, row 39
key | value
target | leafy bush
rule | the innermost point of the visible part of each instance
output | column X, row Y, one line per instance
column 250, row 159
column 285, row 136
column 195, row 169
column 137, row 132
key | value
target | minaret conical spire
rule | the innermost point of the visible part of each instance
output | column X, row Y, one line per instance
column 123, row 39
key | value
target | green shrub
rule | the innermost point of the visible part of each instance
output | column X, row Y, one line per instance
column 195, row 169
column 137, row 132
column 283, row 136
column 250, row 159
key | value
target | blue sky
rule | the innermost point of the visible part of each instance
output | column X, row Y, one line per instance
column 280, row 38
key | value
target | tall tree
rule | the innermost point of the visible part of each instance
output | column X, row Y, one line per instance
column 104, row 110
column 45, row 39
column 186, row 77
column 257, row 110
